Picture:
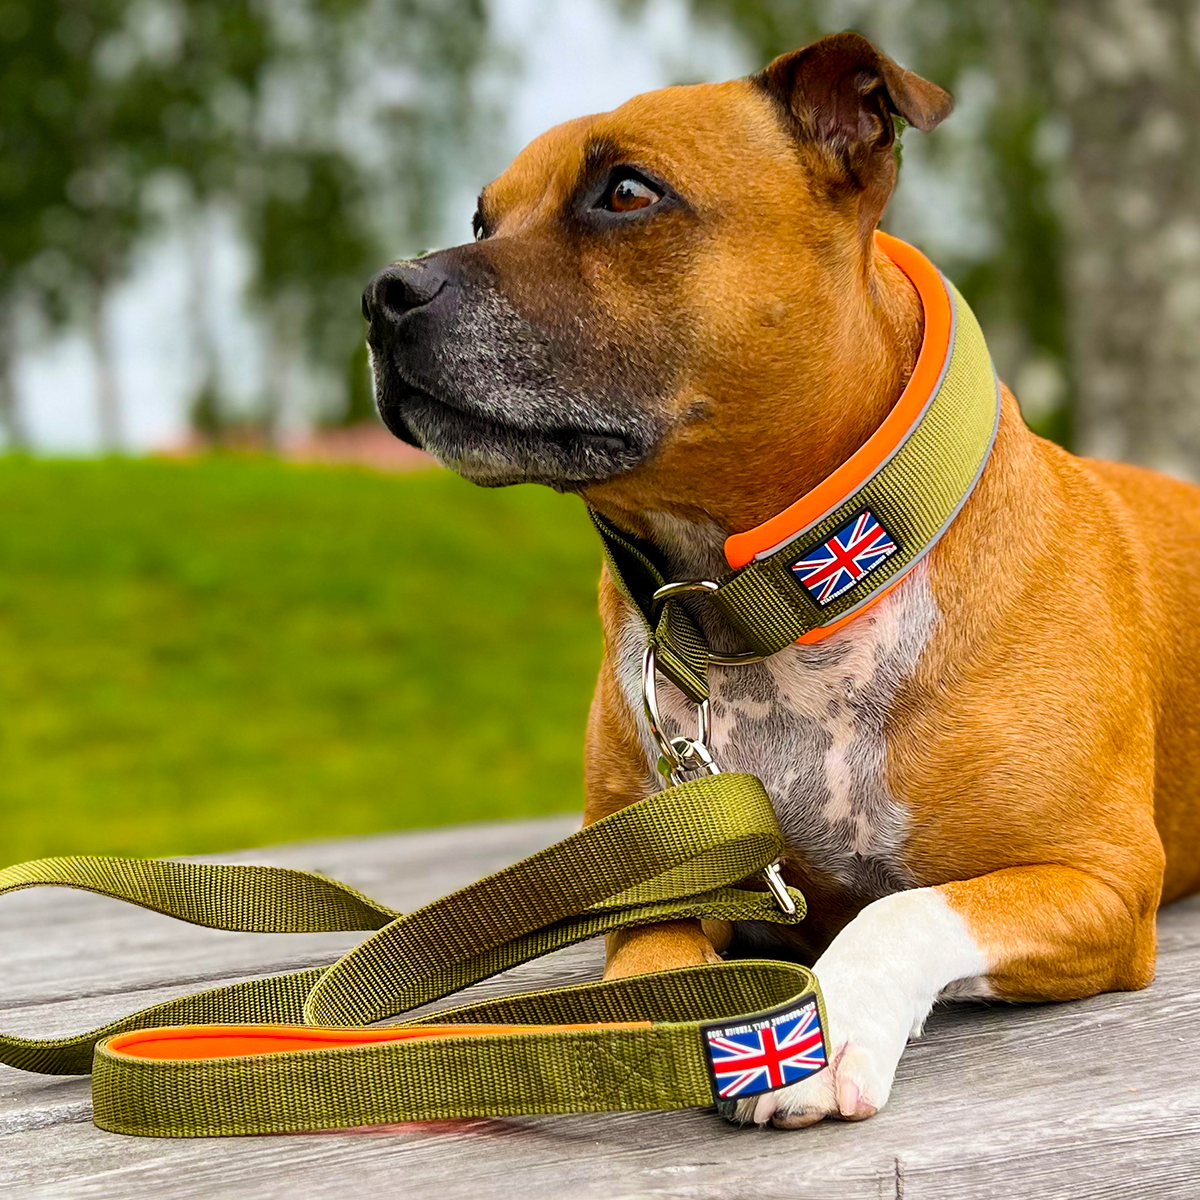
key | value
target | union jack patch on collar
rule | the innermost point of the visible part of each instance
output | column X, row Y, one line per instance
column 747, row 1058
column 847, row 555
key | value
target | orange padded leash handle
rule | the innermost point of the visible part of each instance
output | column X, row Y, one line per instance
column 178, row 1043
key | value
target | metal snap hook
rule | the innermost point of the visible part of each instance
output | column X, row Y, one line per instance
column 683, row 756
column 778, row 889
column 680, row 756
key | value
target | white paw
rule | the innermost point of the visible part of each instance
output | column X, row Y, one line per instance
column 853, row 1087
column 867, row 1034
column 879, row 979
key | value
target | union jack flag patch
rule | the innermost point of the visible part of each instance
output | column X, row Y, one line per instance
column 767, row 1053
column 849, row 554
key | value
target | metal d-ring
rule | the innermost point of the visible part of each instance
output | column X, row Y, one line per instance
column 735, row 660
column 670, row 590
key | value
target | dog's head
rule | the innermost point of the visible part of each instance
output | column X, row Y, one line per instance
column 649, row 288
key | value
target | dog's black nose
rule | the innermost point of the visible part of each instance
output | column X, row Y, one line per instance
column 399, row 289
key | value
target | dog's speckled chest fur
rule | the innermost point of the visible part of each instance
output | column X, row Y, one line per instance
column 810, row 723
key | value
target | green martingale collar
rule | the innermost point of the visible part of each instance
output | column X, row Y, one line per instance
column 837, row 550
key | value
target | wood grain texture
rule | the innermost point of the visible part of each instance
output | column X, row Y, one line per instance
column 1090, row 1099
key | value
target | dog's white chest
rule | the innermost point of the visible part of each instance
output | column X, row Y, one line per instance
column 810, row 723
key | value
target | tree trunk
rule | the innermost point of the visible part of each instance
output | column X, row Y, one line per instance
column 1128, row 79
column 205, row 410
column 10, row 413
column 277, row 395
column 108, row 403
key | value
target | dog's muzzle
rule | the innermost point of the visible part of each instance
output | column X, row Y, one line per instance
column 462, row 373
column 393, row 303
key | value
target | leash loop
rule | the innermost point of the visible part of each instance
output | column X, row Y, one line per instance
column 300, row 1050
column 669, row 591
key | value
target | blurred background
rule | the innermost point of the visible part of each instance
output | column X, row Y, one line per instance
column 232, row 609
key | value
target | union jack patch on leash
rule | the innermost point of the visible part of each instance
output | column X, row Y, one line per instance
column 767, row 1053
column 849, row 554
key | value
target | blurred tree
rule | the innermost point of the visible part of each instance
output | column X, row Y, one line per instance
column 1013, row 277
column 1128, row 79
column 393, row 102
column 68, row 160
column 239, row 93
column 360, row 390
column 201, row 77
column 315, row 248
column 206, row 409
column 12, row 424
column 332, row 135
column 28, row 170
column 287, row 116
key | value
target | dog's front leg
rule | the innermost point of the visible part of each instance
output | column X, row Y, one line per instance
column 661, row 947
column 1024, row 933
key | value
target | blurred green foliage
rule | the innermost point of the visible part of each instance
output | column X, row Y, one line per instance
column 292, row 118
column 233, row 651
column 332, row 131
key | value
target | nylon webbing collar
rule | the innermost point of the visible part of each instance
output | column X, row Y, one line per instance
column 835, row 551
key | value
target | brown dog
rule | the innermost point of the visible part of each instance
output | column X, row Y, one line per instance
column 988, row 781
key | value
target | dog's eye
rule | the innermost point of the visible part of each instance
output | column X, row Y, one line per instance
column 478, row 228
column 629, row 193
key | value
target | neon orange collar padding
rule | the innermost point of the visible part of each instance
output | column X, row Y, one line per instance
column 836, row 551
column 740, row 548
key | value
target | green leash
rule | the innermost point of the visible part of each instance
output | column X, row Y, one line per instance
column 678, row 854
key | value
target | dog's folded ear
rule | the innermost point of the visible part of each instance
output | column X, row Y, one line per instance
column 843, row 91
column 840, row 93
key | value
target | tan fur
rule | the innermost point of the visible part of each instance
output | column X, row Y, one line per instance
column 1048, row 746
column 785, row 306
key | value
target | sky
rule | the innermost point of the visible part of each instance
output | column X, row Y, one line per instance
column 572, row 58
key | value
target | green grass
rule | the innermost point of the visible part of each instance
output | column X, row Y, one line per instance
column 203, row 655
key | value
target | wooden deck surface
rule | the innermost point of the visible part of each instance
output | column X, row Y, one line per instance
column 1099, row 1098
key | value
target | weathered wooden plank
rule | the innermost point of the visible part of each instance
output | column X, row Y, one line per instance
column 74, row 961
column 59, row 944
column 1077, row 1100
